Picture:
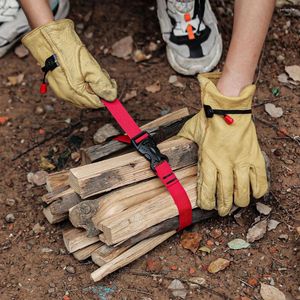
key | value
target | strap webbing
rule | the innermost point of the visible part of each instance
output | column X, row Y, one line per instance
column 163, row 169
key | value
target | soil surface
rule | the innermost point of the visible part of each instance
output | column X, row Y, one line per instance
column 32, row 266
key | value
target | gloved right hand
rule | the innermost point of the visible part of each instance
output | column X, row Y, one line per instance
column 78, row 78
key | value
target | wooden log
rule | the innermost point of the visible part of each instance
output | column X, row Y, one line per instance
column 99, row 152
column 57, row 180
column 130, row 255
column 76, row 239
column 107, row 253
column 84, row 214
column 54, row 219
column 62, row 205
column 134, row 220
column 86, row 252
column 101, row 260
column 129, row 168
column 116, row 202
column 57, row 194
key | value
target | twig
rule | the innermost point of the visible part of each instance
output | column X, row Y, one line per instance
column 146, row 274
column 293, row 138
column 136, row 291
column 46, row 139
column 273, row 100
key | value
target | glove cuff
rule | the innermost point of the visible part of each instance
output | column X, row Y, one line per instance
column 211, row 96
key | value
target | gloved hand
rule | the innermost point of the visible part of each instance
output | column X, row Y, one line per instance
column 78, row 77
column 230, row 159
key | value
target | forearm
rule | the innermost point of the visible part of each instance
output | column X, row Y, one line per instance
column 251, row 23
column 38, row 12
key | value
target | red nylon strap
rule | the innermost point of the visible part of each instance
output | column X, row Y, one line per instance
column 163, row 170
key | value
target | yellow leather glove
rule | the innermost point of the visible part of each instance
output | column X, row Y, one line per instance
column 230, row 159
column 78, row 77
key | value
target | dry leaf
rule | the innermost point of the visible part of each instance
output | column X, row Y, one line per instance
column 294, row 72
column 130, row 95
column 14, row 80
column 218, row 265
column 263, row 208
column 191, row 241
column 269, row 292
column 139, row 55
column 46, row 165
column 153, row 88
column 123, row 48
column 257, row 231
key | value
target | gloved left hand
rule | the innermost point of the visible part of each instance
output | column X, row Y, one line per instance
column 231, row 164
column 78, row 78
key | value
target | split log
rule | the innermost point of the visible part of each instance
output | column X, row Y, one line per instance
column 57, row 180
column 62, row 205
column 117, row 201
column 99, row 152
column 107, row 253
column 57, row 194
column 130, row 255
column 129, row 168
column 76, row 239
column 86, row 252
column 99, row 259
column 134, row 220
column 53, row 219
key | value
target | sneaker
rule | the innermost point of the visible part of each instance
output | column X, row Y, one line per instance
column 13, row 22
column 189, row 28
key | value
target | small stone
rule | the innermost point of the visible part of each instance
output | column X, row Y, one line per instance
column 152, row 47
column 46, row 250
column 288, row 161
column 21, row 51
column 263, row 208
column 283, row 237
column 10, row 202
column 272, row 224
column 38, row 178
column 10, row 218
column 257, row 231
column 75, row 156
column 39, row 110
column 51, row 290
column 216, row 233
column 70, row 269
column 280, row 58
column 104, row 132
column 49, row 108
column 123, row 48
column 37, row 228
column 218, row 265
column 273, row 111
column 173, row 79
column 178, row 289
column 268, row 292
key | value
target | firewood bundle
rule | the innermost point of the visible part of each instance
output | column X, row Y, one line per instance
column 118, row 209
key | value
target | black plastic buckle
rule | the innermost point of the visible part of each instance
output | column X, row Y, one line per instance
column 148, row 148
column 50, row 64
column 209, row 112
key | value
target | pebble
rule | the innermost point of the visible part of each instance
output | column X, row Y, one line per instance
column 10, row 218
column 70, row 269
column 37, row 228
column 10, row 202
column 21, row 51
column 38, row 178
column 283, row 237
column 46, row 250
column 39, row 110
column 178, row 289
column 288, row 161
column 280, row 58
column 51, row 290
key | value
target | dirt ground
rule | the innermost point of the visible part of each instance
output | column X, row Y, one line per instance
column 28, row 267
